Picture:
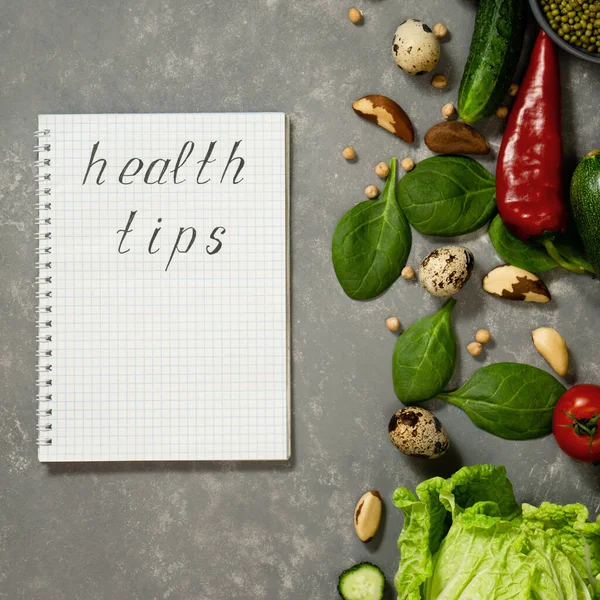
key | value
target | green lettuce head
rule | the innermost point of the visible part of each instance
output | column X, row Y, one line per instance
column 467, row 538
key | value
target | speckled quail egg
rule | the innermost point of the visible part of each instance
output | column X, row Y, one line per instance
column 416, row 49
column 445, row 271
column 416, row 432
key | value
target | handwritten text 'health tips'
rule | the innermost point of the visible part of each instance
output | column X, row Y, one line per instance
column 159, row 172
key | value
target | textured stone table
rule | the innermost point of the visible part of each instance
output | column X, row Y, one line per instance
column 213, row 531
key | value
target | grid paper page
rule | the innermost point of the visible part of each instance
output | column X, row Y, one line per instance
column 152, row 360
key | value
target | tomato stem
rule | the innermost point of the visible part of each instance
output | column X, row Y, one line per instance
column 588, row 426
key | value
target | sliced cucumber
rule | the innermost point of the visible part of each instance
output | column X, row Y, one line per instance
column 363, row 581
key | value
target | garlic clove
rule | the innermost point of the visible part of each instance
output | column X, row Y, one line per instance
column 552, row 346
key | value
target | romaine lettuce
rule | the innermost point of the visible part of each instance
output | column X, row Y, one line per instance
column 467, row 538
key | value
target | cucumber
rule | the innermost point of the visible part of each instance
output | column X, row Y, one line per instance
column 363, row 581
column 495, row 50
column 585, row 204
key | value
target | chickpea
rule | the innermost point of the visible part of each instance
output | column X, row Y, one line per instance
column 382, row 170
column 439, row 82
column 474, row 348
column 408, row 272
column 440, row 31
column 483, row 336
column 502, row 112
column 448, row 111
column 355, row 15
column 371, row 192
column 408, row 164
column 393, row 324
column 349, row 153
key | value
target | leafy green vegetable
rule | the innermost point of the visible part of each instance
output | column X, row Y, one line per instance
column 534, row 257
column 371, row 244
column 467, row 538
column 510, row 400
column 447, row 196
column 424, row 357
column 516, row 252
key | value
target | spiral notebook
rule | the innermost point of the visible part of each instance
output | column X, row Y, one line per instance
column 163, row 287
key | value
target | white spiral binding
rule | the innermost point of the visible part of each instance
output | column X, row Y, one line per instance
column 44, row 294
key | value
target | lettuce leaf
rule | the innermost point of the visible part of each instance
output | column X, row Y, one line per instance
column 467, row 538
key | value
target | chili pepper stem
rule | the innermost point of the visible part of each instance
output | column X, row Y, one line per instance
column 562, row 261
column 588, row 267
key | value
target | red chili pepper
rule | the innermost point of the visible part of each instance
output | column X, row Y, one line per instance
column 529, row 187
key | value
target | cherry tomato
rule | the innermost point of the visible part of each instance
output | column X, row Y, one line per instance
column 575, row 422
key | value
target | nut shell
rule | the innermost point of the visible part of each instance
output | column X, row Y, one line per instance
column 386, row 113
column 512, row 283
column 445, row 271
column 367, row 515
column 417, row 432
column 455, row 137
column 416, row 49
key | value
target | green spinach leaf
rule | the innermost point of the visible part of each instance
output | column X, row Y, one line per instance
column 534, row 257
column 510, row 400
column 516, row 252
column 424, row 357
column 447, row 196
column 371, row 244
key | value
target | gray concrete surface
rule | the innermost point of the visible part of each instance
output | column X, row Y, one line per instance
column 216, row 531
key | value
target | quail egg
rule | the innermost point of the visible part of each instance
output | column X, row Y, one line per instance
column 416, row 48
column 445, row 271
column 417, row 432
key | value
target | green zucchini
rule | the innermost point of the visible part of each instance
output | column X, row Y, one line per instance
column 363, row 581
column 585, row 204
column 495, row 50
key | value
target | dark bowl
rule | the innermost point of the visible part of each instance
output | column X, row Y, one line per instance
column 541, row 19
